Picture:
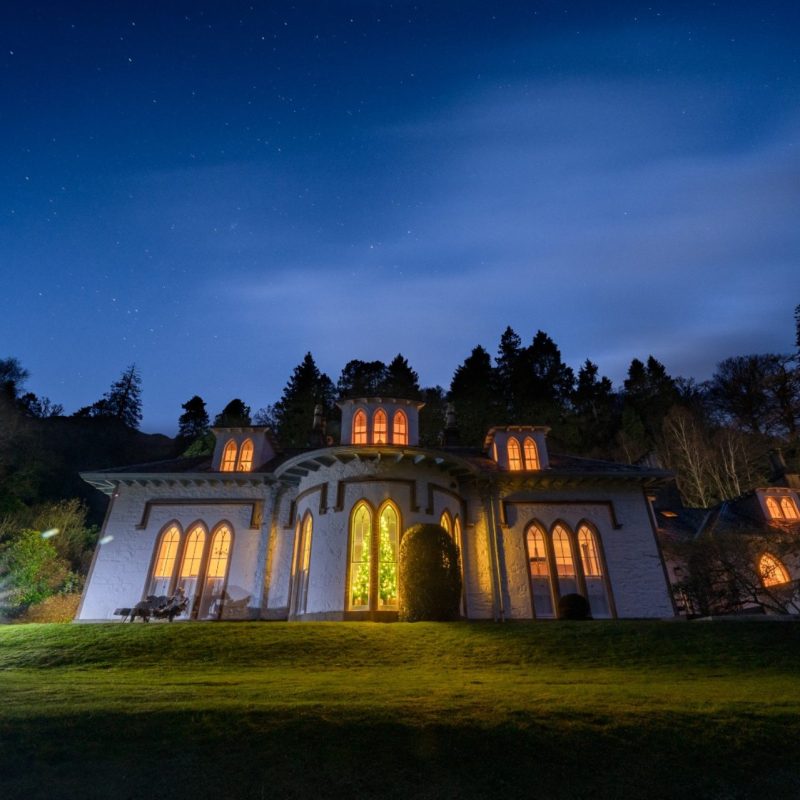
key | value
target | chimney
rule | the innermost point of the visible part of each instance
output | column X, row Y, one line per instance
column 317, row 437
column 450, row 437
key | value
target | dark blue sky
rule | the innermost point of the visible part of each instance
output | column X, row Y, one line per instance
column 211, row 192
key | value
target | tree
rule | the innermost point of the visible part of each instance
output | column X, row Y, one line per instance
column 362, row 379
column 430, row 575
column 12, row 376
column 193, row 423
column 39, row 407
column 235, row 415
column 123, row 401
column 400, row 380
column 590, row 427
column 474, row 394
column 507, row 368
column 32, row 567
column 760, row 393
column 724, row 573
column 649, row 393
column 294, row 412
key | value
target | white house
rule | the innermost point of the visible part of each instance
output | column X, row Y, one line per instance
column 253, row 533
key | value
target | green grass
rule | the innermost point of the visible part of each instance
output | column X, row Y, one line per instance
column 560, row 710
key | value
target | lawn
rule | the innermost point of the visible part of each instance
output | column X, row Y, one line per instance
column 266, row 710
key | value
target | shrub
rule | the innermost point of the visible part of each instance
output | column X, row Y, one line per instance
column 58, row 608
column 32, row 569
column 430, row 577
column 573, row 606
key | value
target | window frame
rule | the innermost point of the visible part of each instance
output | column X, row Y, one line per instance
column 244, row 463
column 230, row 456
column 380, row 416
column 356, row 434
column 397, row 438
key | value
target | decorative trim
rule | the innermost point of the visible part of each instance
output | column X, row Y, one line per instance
column 608, row 504
column 322, row 488
column 342, row 485
column 256, row 513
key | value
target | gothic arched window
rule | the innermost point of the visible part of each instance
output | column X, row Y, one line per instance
column 246, row 456
column 360, row 557
column 593, row 572
column 514, row 456
column 399, row 428
column 564, row 561
column 214, row 596
column 446, row 522
column 773, row 573
column 773, row 509
column 539, row 573
column 305, row 531
column 789, row 508
column 190, row 565
column 229, row 457
column 531, row 453
column 360, row 427
column 164, row 566
column 379, row 427
column 388, row 542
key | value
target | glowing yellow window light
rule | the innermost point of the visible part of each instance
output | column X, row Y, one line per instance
column 565, row 567
column 789, row 508
column 229, row 457
column 387, row 558
column 531, row 454
column 220, row 550
column 514, row 456
column 537, row 554
column 359, row 427
column 165, row 563
column 246, row 456
column 588, row 550
column 446, row 522
column 457, row 532
column 399, row 428
column 773, row 573
column 773, row 508
column 379, row 427
column 193, row 554
column 361, row 542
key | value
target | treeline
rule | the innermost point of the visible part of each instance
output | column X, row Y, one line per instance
column 715, row 435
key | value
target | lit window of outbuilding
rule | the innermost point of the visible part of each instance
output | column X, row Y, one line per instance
column 229, row 457
column 773, row 573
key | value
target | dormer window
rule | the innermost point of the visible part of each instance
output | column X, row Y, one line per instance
column 360, row 427
column 246, row 456
column 399, row 428
column 229, row 457
column 781, row 508
column 379, row 427
column 514, row 455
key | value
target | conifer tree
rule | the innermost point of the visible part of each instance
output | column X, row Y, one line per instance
column 474, row 394
column 400, row 381
column 294, row 412
column 235, row 414
column 362, row 379
column 123, row 401
column 194, row 420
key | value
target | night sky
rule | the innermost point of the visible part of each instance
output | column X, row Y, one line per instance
column 211, row 190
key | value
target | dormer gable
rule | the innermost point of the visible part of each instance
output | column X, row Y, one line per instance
column 518, row 448
column 242, row 449
column 380, row 421
column 779, row 504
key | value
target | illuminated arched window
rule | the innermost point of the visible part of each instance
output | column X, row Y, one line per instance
column 531, row 453
column 773, row 508
column 539, row 573
column 494, row 452
column 246, row 456
column 164, row 567
column 305, row 531
column 380, row 428
column 596, row 589
column 359, row 427
column 360, row 556
column 190, row 565
column 789, row 508
column 588, row 550
column 229, row 457
column 214, row 596
column 564, row 561
column 399, row 428
column 389, row 525
column 773, row 573
column 514, row 456
column 446, row 522
column 457, row 540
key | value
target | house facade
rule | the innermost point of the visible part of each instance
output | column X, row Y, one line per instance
column 256, row 533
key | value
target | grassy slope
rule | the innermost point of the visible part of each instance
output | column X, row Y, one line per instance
column 272, row 710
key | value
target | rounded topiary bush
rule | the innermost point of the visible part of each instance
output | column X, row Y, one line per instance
column 574, row 606
column 430, row 578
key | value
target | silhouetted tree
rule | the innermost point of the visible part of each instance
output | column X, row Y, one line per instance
column 362, row 379
column 400, row 380
column 123, row 401
column 294, row 412
column 194, row 420
column 474, row 394
column 235, row 414
column 649, row 393
column 590, row 428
